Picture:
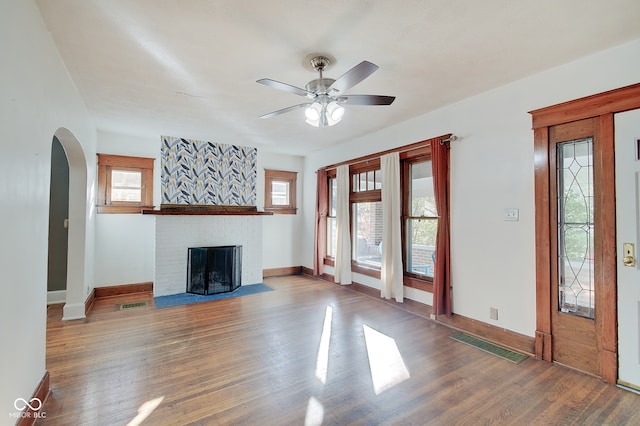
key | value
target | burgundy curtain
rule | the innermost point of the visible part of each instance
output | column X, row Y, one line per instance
column 320, row 238
column 441, row 279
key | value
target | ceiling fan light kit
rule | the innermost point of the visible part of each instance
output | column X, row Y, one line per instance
column 326, row 95
column 322, row 114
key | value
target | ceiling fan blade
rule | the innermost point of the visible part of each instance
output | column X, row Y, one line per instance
column 366, row 99
column 352, row 77
column 284, row 86
column 285, row 110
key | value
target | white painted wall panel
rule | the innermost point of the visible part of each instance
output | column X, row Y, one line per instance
column 124, row 249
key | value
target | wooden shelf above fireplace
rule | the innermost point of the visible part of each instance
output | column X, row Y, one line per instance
column 201, row 210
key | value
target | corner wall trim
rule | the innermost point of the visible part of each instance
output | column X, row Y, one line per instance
column 55, row 297
column 28, row 415
column 74, row 311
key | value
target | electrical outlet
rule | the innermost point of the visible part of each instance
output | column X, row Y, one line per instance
column 493, row 313
column 511, row 215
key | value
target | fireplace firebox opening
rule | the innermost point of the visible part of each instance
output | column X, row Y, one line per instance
column 212, row 270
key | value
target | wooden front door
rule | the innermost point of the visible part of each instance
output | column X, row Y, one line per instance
column 575, row 244
column 576, row 289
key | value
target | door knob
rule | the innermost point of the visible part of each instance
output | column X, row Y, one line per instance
column 629, row 258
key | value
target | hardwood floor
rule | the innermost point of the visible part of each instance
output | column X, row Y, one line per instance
column 256, row 360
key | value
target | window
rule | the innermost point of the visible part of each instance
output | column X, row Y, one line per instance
column 280, row 191
column 419, row 214
column 367, row 229
column 125, row 184
column 421, row 219
column 366, row 214
column 367, row 180
column 331, row 215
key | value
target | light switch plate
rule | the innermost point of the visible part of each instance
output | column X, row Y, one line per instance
column 511, row 214
column 493, row 313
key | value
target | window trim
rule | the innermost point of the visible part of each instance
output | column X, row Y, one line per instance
column 106, row 164
column 281, row 176
column 412, row 153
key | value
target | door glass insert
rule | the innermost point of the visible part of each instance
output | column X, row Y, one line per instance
column 575, row 227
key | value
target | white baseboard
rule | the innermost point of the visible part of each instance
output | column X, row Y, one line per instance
column 72, row 311
column 56, row 296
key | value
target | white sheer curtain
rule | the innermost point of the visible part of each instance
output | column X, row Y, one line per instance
column 342, row 266
column 391, row 272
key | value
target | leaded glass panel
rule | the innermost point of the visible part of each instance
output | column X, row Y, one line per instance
column 575, row 228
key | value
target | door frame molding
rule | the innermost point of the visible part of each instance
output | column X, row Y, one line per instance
column 601, row 106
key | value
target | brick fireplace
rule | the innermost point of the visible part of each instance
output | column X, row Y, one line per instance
column 176, row 233
column 208, row 199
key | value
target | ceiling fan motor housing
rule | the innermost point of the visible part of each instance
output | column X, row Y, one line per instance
column 319, row 86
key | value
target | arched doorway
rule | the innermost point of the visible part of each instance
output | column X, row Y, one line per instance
column 76, row 290
column 58, row 225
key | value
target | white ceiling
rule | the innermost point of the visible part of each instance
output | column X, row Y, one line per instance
column 189, row 68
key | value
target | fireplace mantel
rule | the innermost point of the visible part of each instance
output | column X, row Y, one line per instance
column 205, row 209
column 187, row 212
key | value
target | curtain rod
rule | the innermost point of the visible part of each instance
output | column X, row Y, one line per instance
column 444, row 139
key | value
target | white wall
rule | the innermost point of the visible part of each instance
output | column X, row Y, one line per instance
column 36, row 99
column 125, row 243
column 282, row 233
column 493, row 261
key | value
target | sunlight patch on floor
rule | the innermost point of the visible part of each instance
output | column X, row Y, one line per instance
column 322, row 362
column 145, row 411
column 385, row 361
column 315, row 413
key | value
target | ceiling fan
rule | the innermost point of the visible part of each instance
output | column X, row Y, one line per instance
column 325, row 106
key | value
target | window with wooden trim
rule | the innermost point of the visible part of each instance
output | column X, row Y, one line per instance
column 280, row 191
column 419, row 215
column 365, row 201
column 125, row 184
column 331, row 214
